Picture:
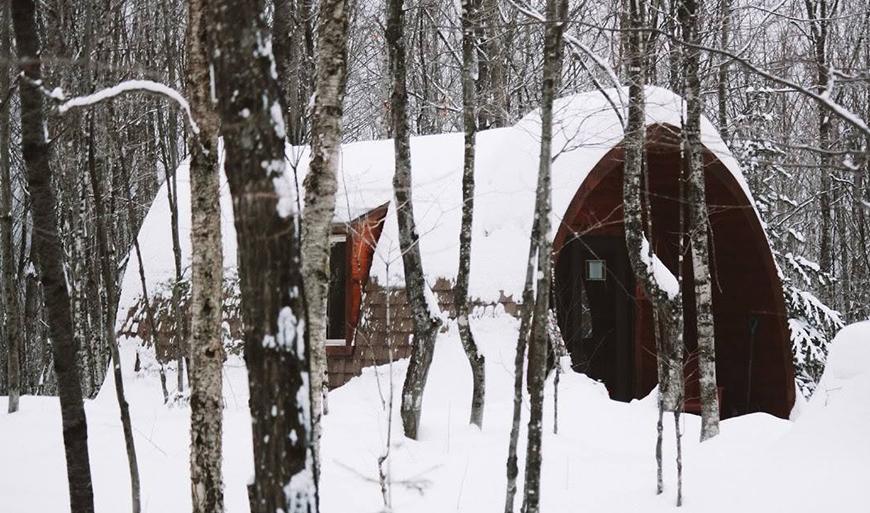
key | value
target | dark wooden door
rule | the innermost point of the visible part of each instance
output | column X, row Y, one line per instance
column 595, row 289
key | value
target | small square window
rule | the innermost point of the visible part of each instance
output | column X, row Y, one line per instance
column 595, row 270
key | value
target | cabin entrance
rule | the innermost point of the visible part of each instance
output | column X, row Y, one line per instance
column 595, row 303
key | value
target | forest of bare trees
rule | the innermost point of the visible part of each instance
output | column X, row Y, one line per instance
column 102, row 100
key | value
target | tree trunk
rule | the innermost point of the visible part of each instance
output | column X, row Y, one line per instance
column 526, row 313
column 131, row 215
column 48, row 250
column 11, row 317
column 206, row 341
column 470, row 24
column 425, row 323
column 640, row 253
column 107, row 268
column 320, row 188
column 556, row 12
column 272, row 296
column 698, row 222
column 722, row 82
column 178, row 326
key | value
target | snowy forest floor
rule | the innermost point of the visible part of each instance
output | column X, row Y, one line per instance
column 602, row 460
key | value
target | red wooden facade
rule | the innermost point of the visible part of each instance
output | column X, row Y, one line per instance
column 608, row 323
column 362, row 237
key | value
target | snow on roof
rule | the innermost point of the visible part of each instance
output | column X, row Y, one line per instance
column 585, row 128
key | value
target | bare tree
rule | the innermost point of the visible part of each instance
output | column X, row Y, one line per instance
column 688, row 13
column 425, row 323
column 665, row 298
column 11, row 323
column 539, row 340
column 272, row 296
column 206, row 342
column 470, row 55
column 49, row 258
column 320, row 187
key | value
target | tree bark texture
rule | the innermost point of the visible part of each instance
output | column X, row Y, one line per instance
column 699, row 223
column 320, row 188
column 11, row 308
column 48, row 250
column 470, row 24
column 539, row 341
column 272, row 296
column 206, row 341
column 425, row 323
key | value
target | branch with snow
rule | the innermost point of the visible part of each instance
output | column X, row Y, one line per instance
column 65, row 104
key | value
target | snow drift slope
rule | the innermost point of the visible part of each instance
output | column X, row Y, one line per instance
column 602, row 459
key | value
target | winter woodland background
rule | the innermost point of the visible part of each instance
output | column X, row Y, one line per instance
column 761, row 63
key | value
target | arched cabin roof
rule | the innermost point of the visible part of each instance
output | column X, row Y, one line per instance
column 586, row 128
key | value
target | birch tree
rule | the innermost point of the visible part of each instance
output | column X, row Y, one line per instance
column 470, row 54
column 665, row 297
column 539, row 340
column 248, row 101
column 320, row 187
column 49, row 258
column 426, row 325
column 698, row 225
column 206, row 342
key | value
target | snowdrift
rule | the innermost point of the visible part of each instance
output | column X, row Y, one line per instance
column 602, row 460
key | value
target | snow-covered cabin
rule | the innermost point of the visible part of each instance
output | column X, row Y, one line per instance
column 603, row 313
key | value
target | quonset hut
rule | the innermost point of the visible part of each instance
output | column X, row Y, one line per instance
column 603, row 313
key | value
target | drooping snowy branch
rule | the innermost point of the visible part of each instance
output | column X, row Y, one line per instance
column 129, row 86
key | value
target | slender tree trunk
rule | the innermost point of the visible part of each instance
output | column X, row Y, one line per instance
column 178, row 326
column 666, row 305
column 11, row 317
column 425, row 323
column 698, row 222
column 206, row 341
column 272, row 296
column 149, row 313
column 470, row 24
column 722, row 83
column 107, row 267
column 556, row 12
column 48, row 250
column 320, row 188
column 527, row 308
column 819, row 16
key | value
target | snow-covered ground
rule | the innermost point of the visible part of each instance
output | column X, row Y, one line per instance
column 601, row 460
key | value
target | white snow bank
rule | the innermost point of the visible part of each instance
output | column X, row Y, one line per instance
column 849, row 355
column 602, row 460
column 659, row 271
column 585, row 129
